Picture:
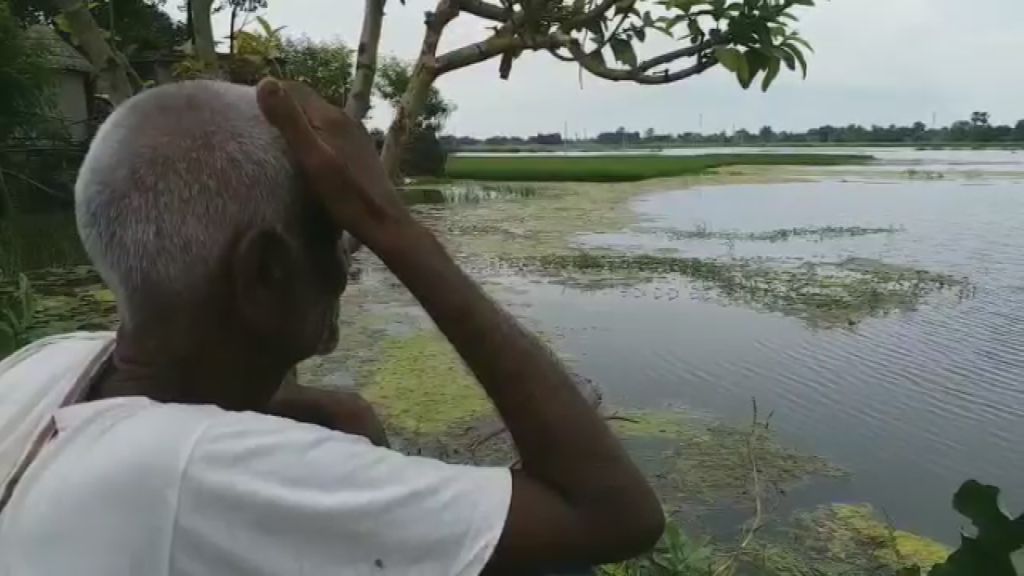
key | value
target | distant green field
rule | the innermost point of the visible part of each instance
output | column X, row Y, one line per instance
column 622, row 167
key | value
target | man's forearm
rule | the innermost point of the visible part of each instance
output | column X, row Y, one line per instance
column 560, row 437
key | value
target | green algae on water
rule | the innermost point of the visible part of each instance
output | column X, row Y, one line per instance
column 421, row 386
column 693, row 458
column 847, row 539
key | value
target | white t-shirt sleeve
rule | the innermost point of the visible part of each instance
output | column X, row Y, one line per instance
column 262, row 495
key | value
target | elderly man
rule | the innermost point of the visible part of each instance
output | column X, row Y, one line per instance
column 214, row 212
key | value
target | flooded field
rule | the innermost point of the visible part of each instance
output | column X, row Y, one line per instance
column 874, row 315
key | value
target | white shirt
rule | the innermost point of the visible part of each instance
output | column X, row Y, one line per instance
column 134, row 487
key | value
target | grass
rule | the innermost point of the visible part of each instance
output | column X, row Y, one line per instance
column 622, row 168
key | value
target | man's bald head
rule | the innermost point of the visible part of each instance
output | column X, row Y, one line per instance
column 171, row 179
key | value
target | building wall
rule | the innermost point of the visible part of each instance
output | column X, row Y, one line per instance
column 73, row 103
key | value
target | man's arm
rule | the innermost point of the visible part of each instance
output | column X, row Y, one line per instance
column 339, row 410
column 578, row 497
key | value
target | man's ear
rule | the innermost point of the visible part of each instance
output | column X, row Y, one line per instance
column 263, row 277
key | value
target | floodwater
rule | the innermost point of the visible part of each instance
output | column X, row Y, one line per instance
column 911, row 404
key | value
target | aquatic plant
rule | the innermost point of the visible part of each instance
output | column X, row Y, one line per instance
column 675, row 555
column 817, row 233
column 467, row 193
column 68, row 300
column 822, row 293
column 915, row 174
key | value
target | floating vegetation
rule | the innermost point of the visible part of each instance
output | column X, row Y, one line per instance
column 467, row 193
column 828, row 293
column 70, row 299
column 422, row 386
column 815, row 233
column 847, row 539
column 915, row 174
column 692, row 458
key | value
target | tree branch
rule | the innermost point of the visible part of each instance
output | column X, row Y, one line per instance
column 589, row 16
column 485, row 10
column 108, row 62
column 498, row 43
column 687, row 52
column 420, row 81
column 358, row 103
column 639, row 74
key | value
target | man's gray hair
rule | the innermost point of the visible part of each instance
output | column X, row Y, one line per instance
column 172, row 177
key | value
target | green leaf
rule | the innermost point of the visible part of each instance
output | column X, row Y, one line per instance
column 648, row 21
column 795, row 51
column 624, row 7
column 800, row 41
column 788, row 58
column 695, row 30
column 596, row 57
column 623, row 51
column 640, row 34
column 998, row 536
column 770, row 73
column 730, row 58
column 756, row 61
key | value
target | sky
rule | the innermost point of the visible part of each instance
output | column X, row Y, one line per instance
column 875, row 62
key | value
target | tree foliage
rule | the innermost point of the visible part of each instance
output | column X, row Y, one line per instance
column 750, row 38
column 393, row 77
column 25, row 81
column 422, row 152
column 140, row 26
column 325, row 66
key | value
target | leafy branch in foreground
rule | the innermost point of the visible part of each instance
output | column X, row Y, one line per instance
column 998, row 536
column 750, row 38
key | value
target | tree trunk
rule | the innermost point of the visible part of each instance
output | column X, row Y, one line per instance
column 358, row 103
column 205, row 48
column 234, row 16
column 190, row 31
column 406, row 115
column 423, row 76
column 112, row 67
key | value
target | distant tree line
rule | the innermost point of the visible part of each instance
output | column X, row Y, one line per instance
column 978, row 129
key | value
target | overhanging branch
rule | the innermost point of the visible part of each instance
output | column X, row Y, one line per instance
column 640, row 74
column 592, row 15
column 485, row 10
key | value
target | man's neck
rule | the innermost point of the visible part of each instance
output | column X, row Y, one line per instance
column 202, row 370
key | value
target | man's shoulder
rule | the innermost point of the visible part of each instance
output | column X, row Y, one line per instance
column 53, row 353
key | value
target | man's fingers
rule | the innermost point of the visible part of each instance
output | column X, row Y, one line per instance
column 283, row 112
